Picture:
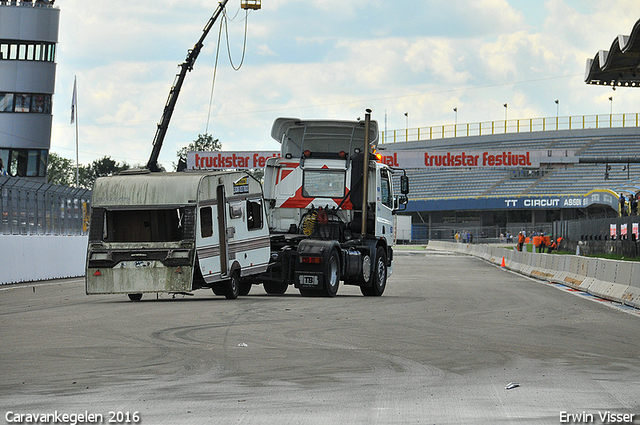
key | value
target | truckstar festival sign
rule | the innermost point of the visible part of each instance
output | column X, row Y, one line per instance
column 219, row 160
column 476, row 159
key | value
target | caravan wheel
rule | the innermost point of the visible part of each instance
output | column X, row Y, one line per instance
column 232, row 287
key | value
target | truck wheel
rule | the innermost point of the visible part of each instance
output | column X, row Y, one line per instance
column 273, row 288
column 245, row 288
column 379, row 275
column 135, row 297
column 308, row 292
column 232, row 287
column 332, row 275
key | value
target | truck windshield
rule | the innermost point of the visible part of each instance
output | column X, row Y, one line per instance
column 323, row 184
column 153, row 225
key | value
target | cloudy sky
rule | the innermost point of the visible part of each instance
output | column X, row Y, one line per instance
column 324, row 59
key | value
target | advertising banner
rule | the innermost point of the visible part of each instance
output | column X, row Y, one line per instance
column 220, row 160
column 601, row 197
column 426, row 158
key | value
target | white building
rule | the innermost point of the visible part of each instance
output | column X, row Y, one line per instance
column 28, row 38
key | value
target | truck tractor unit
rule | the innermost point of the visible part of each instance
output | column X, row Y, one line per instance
column 330, row 206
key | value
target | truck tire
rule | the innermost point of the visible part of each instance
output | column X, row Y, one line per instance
column 308, row 292
column 273, row 288
column 379, row 276
column 135, row 297
column 245, row 288
column 332, row 274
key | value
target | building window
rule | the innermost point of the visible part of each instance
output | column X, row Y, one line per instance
column 6, row 102
column 29, row 51
column 25, row 102
column 25, row 162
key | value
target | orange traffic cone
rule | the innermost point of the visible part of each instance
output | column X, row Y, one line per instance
column 503, row 263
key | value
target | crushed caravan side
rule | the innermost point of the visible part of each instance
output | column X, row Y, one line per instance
column 175, row 232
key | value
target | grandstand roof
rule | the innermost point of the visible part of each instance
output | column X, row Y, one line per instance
column 618, row 66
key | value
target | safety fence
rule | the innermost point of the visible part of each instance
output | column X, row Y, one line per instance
column 424, row 232
column 608, row 279
column 603, row 229
column 29, row 207
column 525, row 125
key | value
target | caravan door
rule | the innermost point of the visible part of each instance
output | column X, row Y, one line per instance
column 212, row 242
column 222, row 231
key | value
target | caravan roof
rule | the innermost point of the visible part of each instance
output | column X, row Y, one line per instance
column 149, row 189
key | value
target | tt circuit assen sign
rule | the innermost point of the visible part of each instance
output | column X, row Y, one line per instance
column 597, row 197
column 239, row 160
column 474, row 159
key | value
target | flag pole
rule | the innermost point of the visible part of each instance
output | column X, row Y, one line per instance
column 74, row 118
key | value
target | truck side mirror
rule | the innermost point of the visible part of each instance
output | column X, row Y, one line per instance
column 404, row 185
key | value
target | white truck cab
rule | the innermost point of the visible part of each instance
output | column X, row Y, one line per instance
column 314, row 198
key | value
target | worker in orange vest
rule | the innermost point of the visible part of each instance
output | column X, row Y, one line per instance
column 520, row 241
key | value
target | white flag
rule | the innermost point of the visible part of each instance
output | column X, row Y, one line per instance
column 73, row 102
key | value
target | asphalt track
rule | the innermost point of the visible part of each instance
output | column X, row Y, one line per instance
column 439, row 347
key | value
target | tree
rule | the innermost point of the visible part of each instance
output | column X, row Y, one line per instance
column 204, row 143
column 60, row 170
column 100, row 168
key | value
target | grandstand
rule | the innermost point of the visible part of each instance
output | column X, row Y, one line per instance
column 448, row 198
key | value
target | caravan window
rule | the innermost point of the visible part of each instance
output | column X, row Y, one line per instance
column 206, row 222
column 254, row 214
column 154, row 225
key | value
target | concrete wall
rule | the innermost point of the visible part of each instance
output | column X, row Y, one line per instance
column 608, row 279
column 32, row 258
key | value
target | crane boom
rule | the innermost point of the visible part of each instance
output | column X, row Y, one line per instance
column 187, row 65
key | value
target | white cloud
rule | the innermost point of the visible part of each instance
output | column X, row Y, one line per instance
column 325, row 59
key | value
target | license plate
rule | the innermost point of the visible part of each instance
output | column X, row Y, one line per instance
column 308, row 280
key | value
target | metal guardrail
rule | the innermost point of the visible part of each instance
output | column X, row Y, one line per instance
column 29, row 207
column 527, row 125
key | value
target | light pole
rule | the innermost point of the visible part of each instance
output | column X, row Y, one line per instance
column 611, row 105
column 611, row 111
column 557, row 112
column 455, row 122
column 406, row 114
column 505, row 117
